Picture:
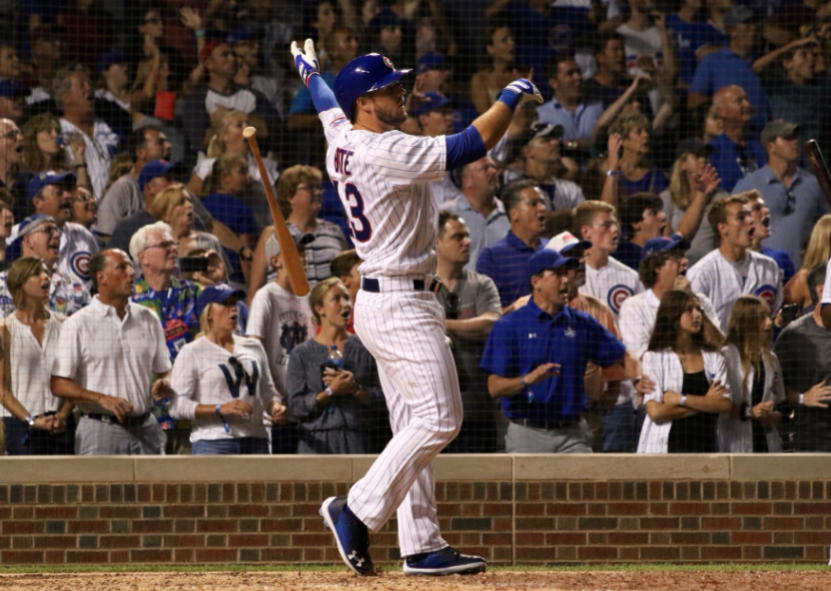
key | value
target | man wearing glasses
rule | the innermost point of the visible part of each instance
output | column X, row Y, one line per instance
column 39, row 235
column 792, row 193
column 471, row 307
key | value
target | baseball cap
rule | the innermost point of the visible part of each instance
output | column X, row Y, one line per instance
column 431, row 60
column 240, row 34
column 549, row 259
column 26, row 227
column 737, row 15
column 385, row 18
column 207, row 50
column 216, row 294
column 693, row 146
column 432, row 101
column 153, row 169
column 272, row 247
column 49, row 177
column 777, row 129
column 11, row 89
column 665, row 243
column 564, row 242
column 108, row 58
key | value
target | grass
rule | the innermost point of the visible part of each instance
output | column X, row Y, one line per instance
column 253, row 568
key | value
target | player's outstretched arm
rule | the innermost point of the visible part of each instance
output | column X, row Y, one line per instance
column 309, row 69
column 493, row 123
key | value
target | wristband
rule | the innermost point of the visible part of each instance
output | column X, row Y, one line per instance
column 613, row 173
column 218, row 409
column 802, row 399
column 329, row 392
column 82, row 165
column 224, row 422
column 199, row 33
column 683, row 400
column 748, row 411
column 523, row 382
column 30, row 420
column 510, row 98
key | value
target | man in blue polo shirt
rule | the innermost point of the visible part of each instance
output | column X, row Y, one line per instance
column 506, row 262
column 537, row 357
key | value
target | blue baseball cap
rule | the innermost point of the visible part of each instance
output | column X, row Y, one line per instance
column 49, row 177
column 432, row 101
column 549, row 259
column 430, row 61
column 216, row 294
column 665, row 243
column 153, row 169
column 240, row 34
column 108, row 58
column 11, row 89
column 26, row 227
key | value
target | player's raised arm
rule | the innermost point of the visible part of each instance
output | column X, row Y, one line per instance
column 493, row 123
column 309, row 69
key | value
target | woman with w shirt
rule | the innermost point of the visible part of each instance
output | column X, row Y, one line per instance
column 689, row 375
column 223, row 383
column 755, row 380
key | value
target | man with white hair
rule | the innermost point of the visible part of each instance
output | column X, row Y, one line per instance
column 39, row 235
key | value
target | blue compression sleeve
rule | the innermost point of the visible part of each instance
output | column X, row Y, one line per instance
column 512, row 99
column 322, row 96
column 464, row 148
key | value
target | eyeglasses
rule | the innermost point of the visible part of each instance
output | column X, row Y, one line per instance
column 310, row 188
column 790, row 205
column 166, row 245
column 12, row 135
column 452, row 307
column 48, row 230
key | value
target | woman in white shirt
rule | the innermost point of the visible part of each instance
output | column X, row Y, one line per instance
column 755, row 381
column 223, row 383
column 689, row 376
column 39, row 424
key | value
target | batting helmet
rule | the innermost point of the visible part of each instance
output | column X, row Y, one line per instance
column 362, row 75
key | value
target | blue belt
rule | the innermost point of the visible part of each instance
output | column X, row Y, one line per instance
column 374, row 286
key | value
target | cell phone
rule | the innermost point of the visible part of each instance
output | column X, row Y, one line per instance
column 790, row 313
column 193, row 264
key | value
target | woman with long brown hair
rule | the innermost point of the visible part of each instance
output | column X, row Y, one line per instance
column 755, row 381
column 690, row 377
column 42, row 149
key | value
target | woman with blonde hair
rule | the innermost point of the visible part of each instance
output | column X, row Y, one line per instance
column 223, row 382
column 172, row 205
column 755, row 381
column 40, row 424
column 43, row 148
column 817, row 253
column 331, row 378
column 227, row 137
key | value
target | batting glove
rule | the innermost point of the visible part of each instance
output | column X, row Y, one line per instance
column 305, row 61
column 525, row 89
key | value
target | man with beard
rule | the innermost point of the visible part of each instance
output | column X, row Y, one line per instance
column 506, row 262
column 51, row 194
column 734, row 270
column 662, row 269
column 75, row 99
column 39, row 235
column 761, row 216
column 471, row 306
column 792, row 193
column 537, row 359
column 478, row 206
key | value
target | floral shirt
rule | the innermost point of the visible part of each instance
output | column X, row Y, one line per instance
column 176, row 308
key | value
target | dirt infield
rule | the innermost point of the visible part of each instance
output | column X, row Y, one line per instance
column 501, row 581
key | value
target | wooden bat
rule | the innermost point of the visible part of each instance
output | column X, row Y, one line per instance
column 817, row 161
column 291, row 258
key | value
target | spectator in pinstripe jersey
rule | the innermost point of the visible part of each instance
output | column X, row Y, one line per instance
column 299, row 196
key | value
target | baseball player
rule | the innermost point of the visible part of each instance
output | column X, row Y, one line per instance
column 734, row 270
column 383, row 179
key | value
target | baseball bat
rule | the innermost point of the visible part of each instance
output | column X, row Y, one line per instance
column 291, row 258
column 817, row 161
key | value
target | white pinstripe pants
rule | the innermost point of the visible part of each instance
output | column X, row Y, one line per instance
column 404, row 331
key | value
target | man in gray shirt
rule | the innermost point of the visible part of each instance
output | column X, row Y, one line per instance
column 124, row 198
column 804, row 351
column 478, row 206
column 472, row 305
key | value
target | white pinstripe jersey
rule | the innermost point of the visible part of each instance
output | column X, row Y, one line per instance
column 612, row 284
column 716, row 278
column 383, row 181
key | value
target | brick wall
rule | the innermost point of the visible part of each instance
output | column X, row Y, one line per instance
column 509, row 521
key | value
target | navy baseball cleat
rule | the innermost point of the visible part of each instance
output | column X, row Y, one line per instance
column 351, row 535
column 446, row 561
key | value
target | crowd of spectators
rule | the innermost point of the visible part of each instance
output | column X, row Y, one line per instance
column 638, row 265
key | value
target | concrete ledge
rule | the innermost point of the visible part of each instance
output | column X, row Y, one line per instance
column 497, row 467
